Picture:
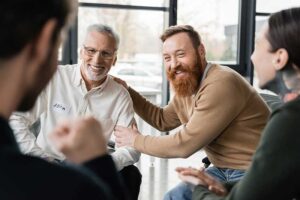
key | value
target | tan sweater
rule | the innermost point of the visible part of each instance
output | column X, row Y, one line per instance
column 225, row 117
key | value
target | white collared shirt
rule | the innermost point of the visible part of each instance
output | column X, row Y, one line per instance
column 66, row 96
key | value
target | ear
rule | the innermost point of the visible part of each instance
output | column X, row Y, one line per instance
column 43, row 41
column 201, row 50
column 116, row 58
column 281, row 58
column 81, row 54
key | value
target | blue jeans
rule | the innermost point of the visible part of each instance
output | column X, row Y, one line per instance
column 184, row 191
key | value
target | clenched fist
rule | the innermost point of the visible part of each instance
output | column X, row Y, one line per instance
column 80, row 139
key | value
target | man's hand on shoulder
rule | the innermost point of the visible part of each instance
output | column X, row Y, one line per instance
column 121, row 82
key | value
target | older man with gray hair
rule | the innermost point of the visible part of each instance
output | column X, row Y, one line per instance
column 80, row 90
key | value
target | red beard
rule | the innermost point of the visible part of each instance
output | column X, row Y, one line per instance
column 188, row 85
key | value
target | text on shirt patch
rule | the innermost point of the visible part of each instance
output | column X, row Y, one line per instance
column 61, row 108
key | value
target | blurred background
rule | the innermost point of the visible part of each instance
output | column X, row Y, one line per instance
column 227, row 28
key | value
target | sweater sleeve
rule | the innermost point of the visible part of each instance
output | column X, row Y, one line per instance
column 216, row 105
column 163, row 119
column 273, row 173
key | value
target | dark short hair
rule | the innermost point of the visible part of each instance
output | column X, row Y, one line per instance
column 284, row 32
column 22, row 20
column 192, row 33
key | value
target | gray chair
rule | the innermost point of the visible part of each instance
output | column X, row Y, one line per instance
column 273, row 101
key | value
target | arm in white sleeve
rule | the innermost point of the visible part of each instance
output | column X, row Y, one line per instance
column 21, row 123
column 124, row 156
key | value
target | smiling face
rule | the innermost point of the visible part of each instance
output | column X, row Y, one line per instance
column 262, row 59
column 98, row 55
column 183, row 63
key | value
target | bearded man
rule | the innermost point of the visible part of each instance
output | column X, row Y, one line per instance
column 217, row 108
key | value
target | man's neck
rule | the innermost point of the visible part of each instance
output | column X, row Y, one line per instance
column 93, row 84
column 10, row 91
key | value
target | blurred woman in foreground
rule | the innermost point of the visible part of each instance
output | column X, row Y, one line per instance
column 275, row 170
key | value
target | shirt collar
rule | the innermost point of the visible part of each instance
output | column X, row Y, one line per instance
column 208, row 66
column 103, row 85
column 77, row 76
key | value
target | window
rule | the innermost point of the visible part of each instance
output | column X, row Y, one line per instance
column 140, row 73
column 130, row 2
column 217, row 23
column 270, row 6
column 125, row 72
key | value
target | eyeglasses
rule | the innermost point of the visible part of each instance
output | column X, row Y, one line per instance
column 107, row 55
